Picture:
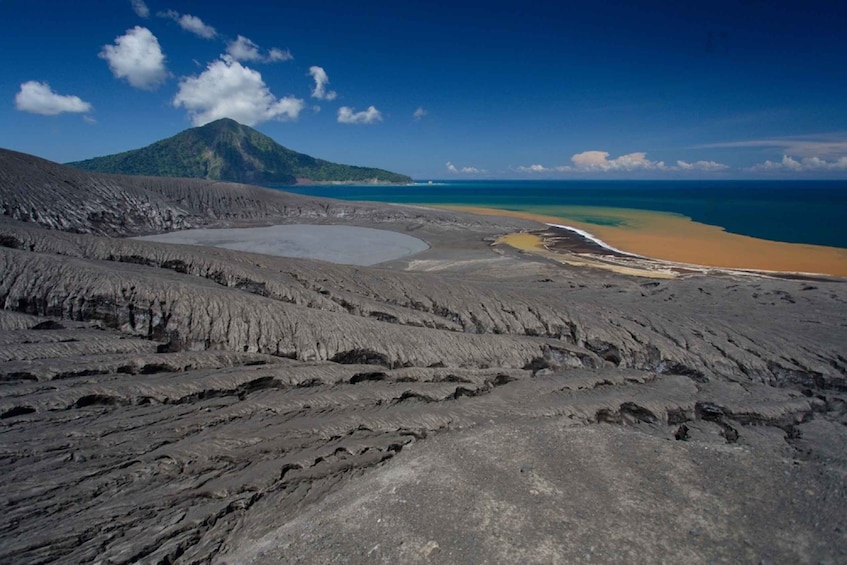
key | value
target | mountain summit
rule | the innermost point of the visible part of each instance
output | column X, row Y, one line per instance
column 228, row 151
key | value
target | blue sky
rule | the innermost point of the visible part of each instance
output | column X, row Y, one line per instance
column 602, row 89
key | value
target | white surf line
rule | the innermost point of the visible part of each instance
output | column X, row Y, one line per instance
column 596, row 240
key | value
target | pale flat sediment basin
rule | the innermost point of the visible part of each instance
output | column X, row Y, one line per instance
column 345, row 245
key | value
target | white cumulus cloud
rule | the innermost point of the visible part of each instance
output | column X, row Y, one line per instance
column 599, row 161
column 321, row 80
column 137, row 57
column 38, row 98
column 227, row 89
column 701, row 166
column 275, row 55
column 790, row 164
column 190, row 23
column 140, row 8
column 243, row 49
column 454, row 169
column 346, row 115
column 536, row 169
column 419, row 113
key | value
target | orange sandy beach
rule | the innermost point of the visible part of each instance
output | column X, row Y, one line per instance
column 673, row 237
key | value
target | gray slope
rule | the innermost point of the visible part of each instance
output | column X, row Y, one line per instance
column 494, row 494
column 200, row 404
column 58, row 197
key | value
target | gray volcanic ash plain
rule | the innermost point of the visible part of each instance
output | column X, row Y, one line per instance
column 179, row 404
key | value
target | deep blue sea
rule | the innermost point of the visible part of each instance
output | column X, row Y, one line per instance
column 794, row 211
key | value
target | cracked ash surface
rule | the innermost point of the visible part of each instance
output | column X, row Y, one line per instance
column 164, row 403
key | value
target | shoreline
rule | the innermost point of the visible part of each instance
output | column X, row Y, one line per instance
column 301, row 181
column 679, row 240
column 596, row 240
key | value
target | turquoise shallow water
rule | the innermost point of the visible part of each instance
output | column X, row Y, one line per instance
column 793, row 211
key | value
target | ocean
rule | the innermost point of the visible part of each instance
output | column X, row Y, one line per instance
column 813, row 212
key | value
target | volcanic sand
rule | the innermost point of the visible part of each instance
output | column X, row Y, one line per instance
column 673, row 237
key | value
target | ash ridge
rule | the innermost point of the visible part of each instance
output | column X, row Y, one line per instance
column 166, row 403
